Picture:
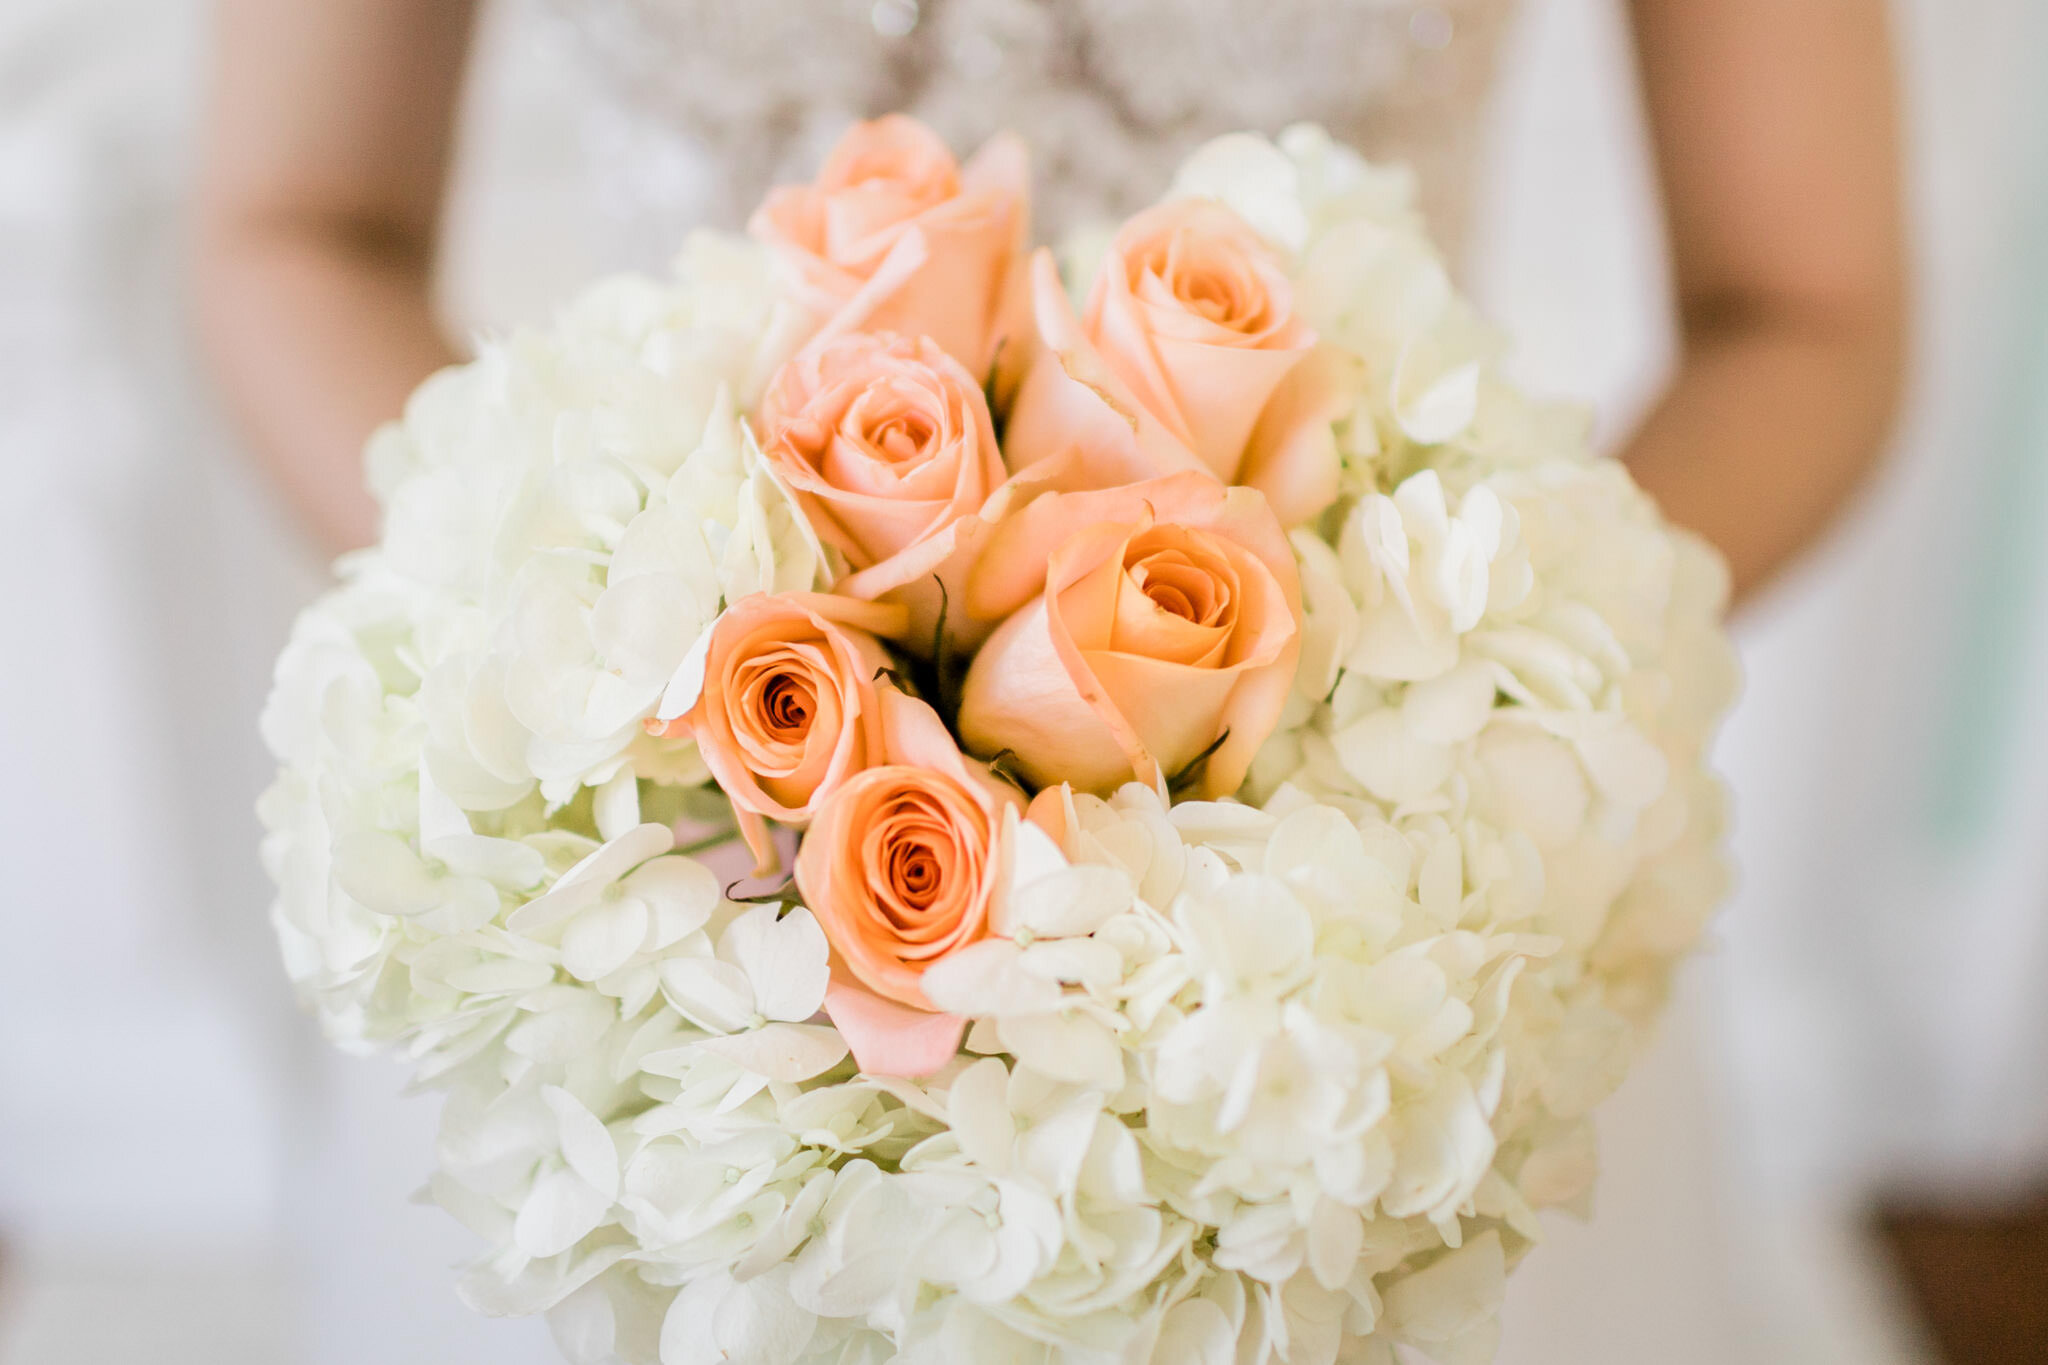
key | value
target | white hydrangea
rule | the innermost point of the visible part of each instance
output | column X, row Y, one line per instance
column 563, row 518
column 1278, row 1079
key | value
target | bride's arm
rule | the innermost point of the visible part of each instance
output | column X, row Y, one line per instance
column 1776, row 130
column 328, row 145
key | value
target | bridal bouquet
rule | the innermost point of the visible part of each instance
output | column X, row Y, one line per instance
column 931, row 803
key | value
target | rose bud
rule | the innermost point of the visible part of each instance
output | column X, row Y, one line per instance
column 886, row 443
column 1189, row 356
column 903, row 866
column 1150, row 628
column 894, row 235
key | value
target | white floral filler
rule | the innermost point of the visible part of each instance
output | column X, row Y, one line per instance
column 1285, row 1077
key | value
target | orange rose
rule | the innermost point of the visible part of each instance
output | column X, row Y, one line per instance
column 887, row 444
column 904, row 865
column 788, row 710
column 1183, row 361
column 896, row 236
column 1147, row 626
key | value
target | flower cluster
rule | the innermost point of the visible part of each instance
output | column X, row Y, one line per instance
column 918, row 816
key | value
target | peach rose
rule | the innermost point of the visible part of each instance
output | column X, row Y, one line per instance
column 895, row 235
column 886, row 443
column 788, row 709
column 903, row 866
column 1193, row 313
column 1182, row 361
column 1147, row 626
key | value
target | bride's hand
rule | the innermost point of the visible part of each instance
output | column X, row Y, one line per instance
column 326, row 155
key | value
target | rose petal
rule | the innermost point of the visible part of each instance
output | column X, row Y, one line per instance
column 888, row 1039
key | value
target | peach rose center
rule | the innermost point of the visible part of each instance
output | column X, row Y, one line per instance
column 914, row 181
column 1177, row 599
column 896, row 438
column 786, row 706
column 892, row 426
column 921, row 858
column 1206, row 277
column 778, row 700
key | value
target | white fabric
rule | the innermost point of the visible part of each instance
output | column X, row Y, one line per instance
column 1886, row 953
column 706, row 103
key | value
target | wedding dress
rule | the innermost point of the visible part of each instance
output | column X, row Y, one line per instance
column 713, row 101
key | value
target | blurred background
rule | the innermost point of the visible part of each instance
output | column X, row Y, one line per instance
column 1835, row 1151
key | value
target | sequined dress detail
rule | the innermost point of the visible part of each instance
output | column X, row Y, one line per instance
column 709, row 102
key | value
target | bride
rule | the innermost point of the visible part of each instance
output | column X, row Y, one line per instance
column 1773, row 124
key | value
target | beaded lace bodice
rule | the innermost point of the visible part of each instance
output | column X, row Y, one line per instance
column 712, row 101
